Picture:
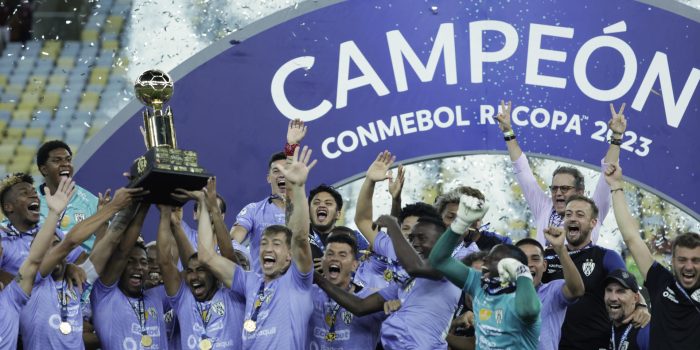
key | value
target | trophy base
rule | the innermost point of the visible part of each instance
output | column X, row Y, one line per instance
column 162, row 170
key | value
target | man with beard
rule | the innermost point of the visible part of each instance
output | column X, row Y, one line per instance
column 675, row 294
column 54, row 160
column 420, row 323
column 20, row 204
column 331, row 325
column 556, row 295
column 208, row 315
column 53, row 318
column 586, row 325
column 621, row 298
column 124, row 314
column 16, row 294
column 278, row 303
column 566, row 181
column 506, row 306
column 255, row 217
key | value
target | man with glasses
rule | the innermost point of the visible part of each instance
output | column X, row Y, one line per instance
column 566, row 181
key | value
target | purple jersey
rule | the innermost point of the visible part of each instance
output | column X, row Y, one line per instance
column 41, row 317
column 554, row 305
column 426, row 310
column 222, row 315
column 285, row 307
column 541, row 205
column 119, row 320
column 255, row 217
column 349, row 332
column 12, row 299
column 421, row 322
column 15, row 249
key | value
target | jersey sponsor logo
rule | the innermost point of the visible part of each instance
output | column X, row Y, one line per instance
column 347, row 317
column 499, row 316
column 588, row 267
column 219, row 308
column 78, row 217
column 696, row 295
column 625, row 344
column 485, row 314
column 670, row 295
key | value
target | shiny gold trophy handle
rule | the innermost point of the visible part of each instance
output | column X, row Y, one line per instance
column 160, row 131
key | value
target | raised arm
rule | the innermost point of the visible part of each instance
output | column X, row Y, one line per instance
column 469, row 211
column 84, row 229
column 102, row 250
column 503, row 119
column 395, row 188
column 184, row 247
column 617, row 124
column 223, row 239
column 56, row 203
column 165, row 244
column 113, row 269
column 221, row 267
column 628, row 225
column 351, row 302
column 377, row 171
column 295, row 173
column 408, row 257
column 573, row 283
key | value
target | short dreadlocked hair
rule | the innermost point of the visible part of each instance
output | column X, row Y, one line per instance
column 8, row 182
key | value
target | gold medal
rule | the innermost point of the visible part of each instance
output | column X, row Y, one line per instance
column 330, row 319
column 388, row 275
column 249, row 326
column 258, row 303
column 146, row 340
column 65, row 221
column 205, row 344
column 65, row 328
column 330, row 336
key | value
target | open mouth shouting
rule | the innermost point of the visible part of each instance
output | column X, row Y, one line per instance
column 136, row 280
column 688, row 278
column 321, row 214
column 573, row 231
column 269, row 261
column 282, row 185
column 333, row 271
column 198, row 288
column 33, row 208
column 64, row 173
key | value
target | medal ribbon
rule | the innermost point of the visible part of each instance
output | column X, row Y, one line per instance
column 15, row 232
column 622, row 339
column 62, row 300
column 258, row 302
column 140, row 310
column 205, row 315
column 392, row 265
column 332, row 316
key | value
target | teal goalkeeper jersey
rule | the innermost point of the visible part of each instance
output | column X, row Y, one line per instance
column 82, row 205
column 497, row 326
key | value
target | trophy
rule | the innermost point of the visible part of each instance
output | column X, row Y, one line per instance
column 164, row 167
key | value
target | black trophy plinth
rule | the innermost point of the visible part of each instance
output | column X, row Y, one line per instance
column 162, row 169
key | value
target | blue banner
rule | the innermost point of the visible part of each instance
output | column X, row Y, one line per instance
column 425, row 81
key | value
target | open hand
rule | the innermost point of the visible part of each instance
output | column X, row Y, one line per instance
column 296, row 171
column 295, row 131
column 379, row 169
column 395, row 186
column 58, row 201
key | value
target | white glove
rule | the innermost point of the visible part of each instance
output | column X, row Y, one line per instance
column 510, row 269
column 469, row 211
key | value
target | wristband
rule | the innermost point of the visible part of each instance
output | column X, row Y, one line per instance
column 617, row 189
column 508, row 133
column 289, row 149
column 508, row 138
column 616, row 142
